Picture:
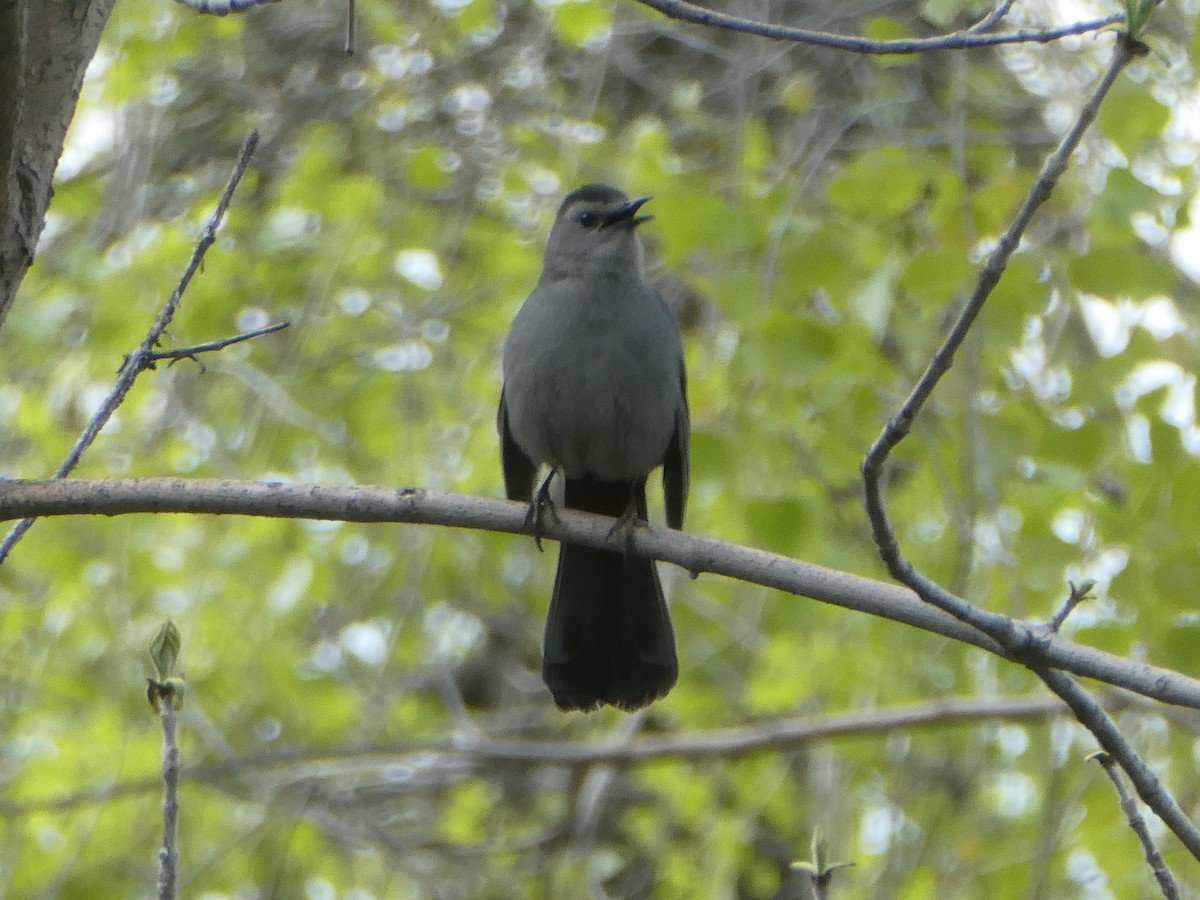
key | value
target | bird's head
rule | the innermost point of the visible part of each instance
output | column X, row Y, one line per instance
column 595, row 233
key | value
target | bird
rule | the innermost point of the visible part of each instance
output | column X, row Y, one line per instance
column 595, row 388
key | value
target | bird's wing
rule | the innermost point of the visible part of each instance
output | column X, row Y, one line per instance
column 676, row 464
column 518, row 468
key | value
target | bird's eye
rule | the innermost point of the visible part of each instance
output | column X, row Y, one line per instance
column 587, row 218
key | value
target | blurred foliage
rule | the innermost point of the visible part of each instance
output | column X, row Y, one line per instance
column 818, row 216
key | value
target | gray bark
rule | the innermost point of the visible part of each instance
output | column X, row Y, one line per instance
column 45, row 48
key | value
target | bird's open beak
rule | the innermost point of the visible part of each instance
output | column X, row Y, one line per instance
column 627, row 213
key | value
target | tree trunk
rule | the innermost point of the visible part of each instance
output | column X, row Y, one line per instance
column 45, row 48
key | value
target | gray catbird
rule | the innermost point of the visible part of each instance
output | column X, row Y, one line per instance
column 595, row 388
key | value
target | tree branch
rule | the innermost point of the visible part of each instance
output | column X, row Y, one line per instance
column 222, row 7
column 212, row 346
column 1012, row 636
column 168, row 853
column 694, row 553
column 999, row 11
column 959, row 40
column 144, row 356
column 1089, row 714
column 484, row 752
column 900, row 425
column 1166, row 881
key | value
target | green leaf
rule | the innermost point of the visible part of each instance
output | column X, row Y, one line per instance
column 477, row 15
column 1080, row 447
column 1123, row 195
column 164, row 650
column 778, row 525
column 1137, row 16
column 1121, row 270
column 936, row 275
column 880, row 184
column 1129, row 117
column 577, row 23
column 1181, row 647
column 944, row 13
column 423, row 169
column 819, row 849
column 756, row 148
column 790, row 347
column 712, row 454
column 872, row 302
column 797, row 93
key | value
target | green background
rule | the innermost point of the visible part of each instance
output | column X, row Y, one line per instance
column 818, row 217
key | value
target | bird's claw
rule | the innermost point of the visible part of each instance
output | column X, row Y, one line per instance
column 538, row 507
column 626, row 523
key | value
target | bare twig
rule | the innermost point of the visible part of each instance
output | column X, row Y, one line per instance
column 1017, row 639
column 819, row 868
column 168, row 853
column 1166, row 881
column 222, row 7
column 959, row 40
column 992, row 18
column 1089, row 714
column 207, row 238
column 165, row 693
column 192, row 352
column 291, row 766
column 899, row 425
column 351, row 27
column 143, row 357
column 1078, row 594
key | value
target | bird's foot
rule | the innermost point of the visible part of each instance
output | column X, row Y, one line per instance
column 538, row 507
column 626, row 524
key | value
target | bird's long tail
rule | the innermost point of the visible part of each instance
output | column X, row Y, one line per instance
column 608, row 633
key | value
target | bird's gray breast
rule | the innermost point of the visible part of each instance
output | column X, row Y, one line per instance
column 592, row 379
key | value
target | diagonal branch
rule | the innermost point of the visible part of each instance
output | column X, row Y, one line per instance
column 899, row 425
column 1092, row 717
column 959, row 40
column 999, row 11
column 1166, row 881
column 1015, row 637
column 143, row 356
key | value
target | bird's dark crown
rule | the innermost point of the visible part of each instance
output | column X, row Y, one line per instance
column 594, row 193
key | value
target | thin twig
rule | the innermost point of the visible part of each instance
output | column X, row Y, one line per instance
column 1166, row 881
column 1092, row 717
column 1052, row 170
column 221, row 7
column 899, row 426
column 1019, row 640
column 1079, row 593
column 992, row 18
column 168, row 853
column 192, row 352
column 484, row 752
column 142, row 358
column 959, row 40
column 351, row 27
column 165, row 693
